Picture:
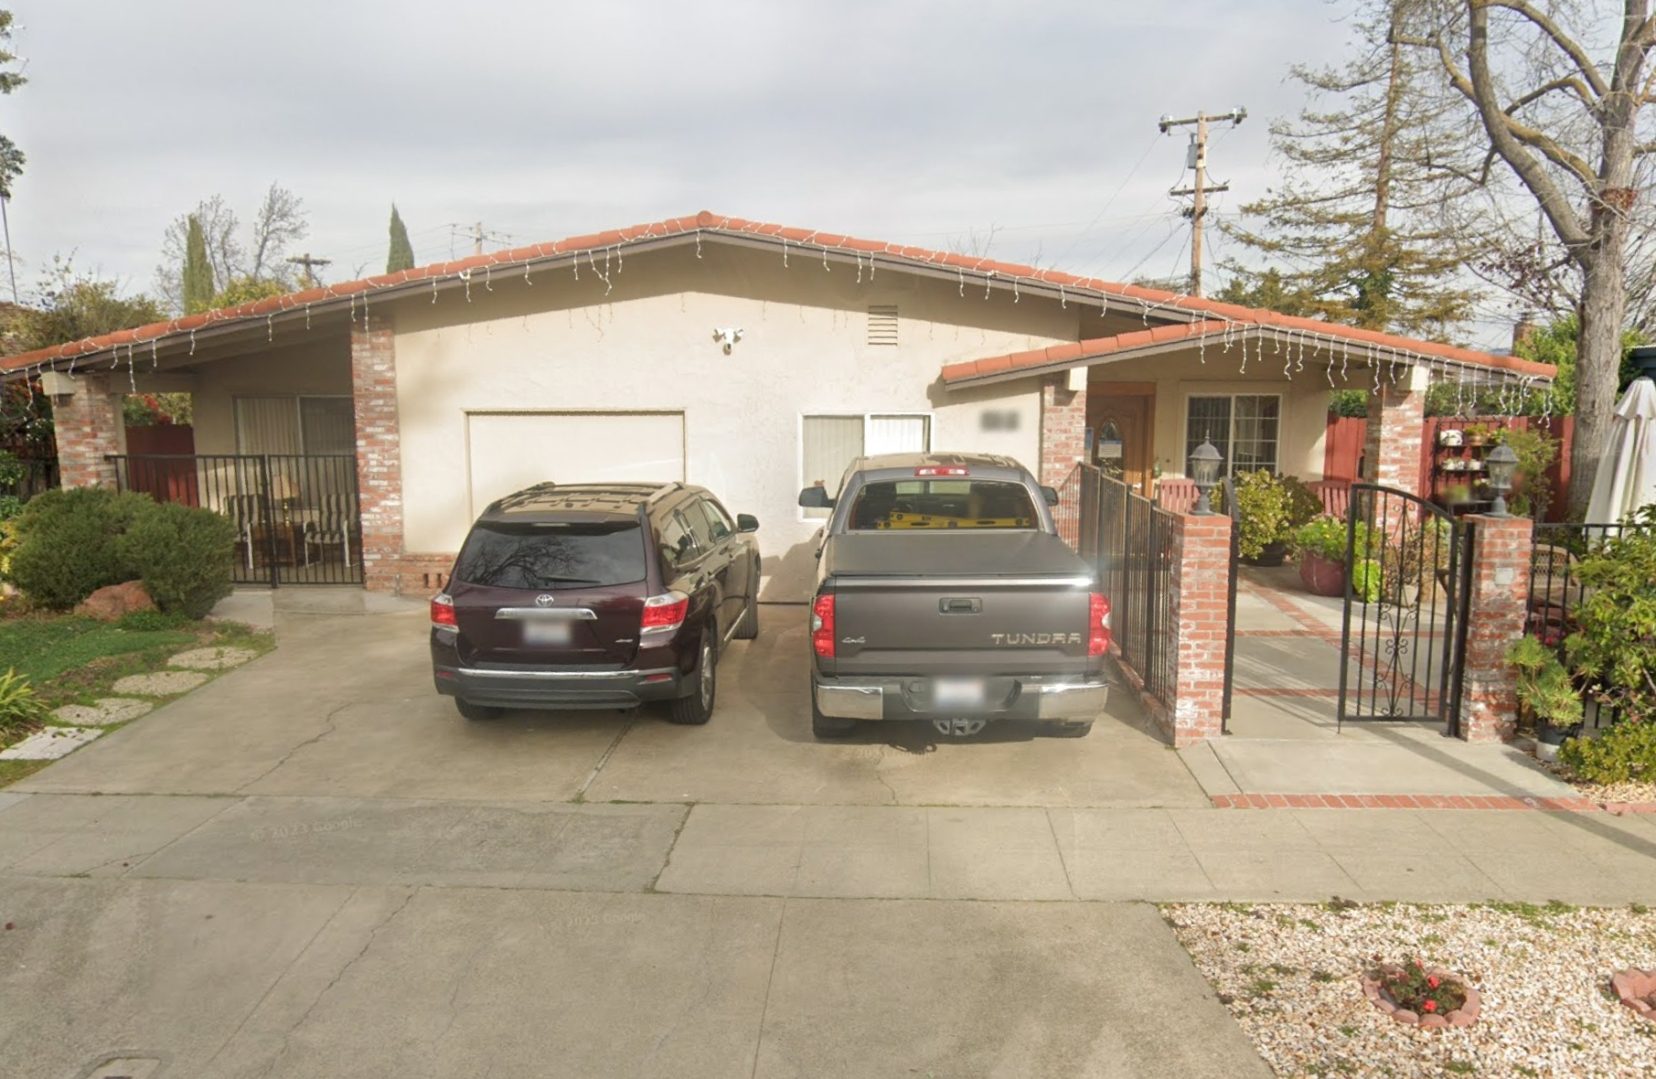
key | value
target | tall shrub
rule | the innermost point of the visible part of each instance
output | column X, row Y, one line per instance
column 182, row 554
column 67, row 544
column 1615, row 644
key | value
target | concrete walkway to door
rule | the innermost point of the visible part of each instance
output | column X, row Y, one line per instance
column 1283, row 736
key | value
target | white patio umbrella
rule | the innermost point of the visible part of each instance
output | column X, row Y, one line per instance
column 1626, row 476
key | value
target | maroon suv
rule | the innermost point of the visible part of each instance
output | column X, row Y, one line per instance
column 595, row 596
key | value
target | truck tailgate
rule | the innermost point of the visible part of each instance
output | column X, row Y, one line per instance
column 952, row 603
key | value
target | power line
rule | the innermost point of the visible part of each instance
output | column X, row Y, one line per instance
column 1110, row 201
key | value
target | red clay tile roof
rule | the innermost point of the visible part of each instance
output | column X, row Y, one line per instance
column 712, row 225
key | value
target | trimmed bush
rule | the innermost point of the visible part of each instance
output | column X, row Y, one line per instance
column 182, row 554
column 1626, row 753
column 66, row 544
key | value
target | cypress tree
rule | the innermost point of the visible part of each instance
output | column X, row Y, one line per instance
column 402, row 252
column 198, row 272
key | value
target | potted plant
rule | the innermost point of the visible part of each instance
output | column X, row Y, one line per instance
column 1457, row 493
column 1320, row 550
column 1264, row 510
column 1546, row 692
column 1479, row 434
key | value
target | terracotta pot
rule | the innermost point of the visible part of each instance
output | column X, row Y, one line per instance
column 1322, row 576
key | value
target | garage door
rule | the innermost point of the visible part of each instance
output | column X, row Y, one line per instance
column 509, row 451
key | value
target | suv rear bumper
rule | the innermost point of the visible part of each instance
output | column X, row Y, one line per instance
column 898, row 698
column 526, row 688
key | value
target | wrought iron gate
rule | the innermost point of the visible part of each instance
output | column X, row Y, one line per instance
column 1403, row 632
column 296, row 516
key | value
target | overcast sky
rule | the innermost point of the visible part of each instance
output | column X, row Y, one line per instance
column 909, row 120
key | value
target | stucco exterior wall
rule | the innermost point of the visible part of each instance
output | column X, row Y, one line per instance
column 320, row 364
column 644, row 342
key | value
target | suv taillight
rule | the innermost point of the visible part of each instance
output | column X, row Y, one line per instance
column 1098, row 624
column 663, row 613
column 442, row 612
column 822, row 625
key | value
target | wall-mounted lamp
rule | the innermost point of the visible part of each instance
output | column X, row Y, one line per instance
column 727, row 336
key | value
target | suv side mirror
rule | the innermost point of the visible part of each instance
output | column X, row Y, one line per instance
column 816, row 497
column 1050, row 494
column 747, row 522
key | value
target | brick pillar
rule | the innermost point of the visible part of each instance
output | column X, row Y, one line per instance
column 1063, row 427
column 89, row 425
column 1501, row 553
column 1396, row 430
column 379, row 451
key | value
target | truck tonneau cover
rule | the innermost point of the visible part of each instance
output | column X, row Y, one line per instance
column 953, row 553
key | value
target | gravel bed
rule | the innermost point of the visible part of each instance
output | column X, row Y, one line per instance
column 1605, row 792
column 1290, row 975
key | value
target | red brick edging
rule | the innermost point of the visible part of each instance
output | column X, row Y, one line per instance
column 1425, row 801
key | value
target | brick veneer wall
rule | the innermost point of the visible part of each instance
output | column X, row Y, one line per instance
column 1063, row 429
column 1200, row 608
column 88, row 426
column 379, row 451
column 1500, row 593
column 1396, row 428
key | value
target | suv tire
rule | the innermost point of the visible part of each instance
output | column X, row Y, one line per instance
column 748, row 627
column 696, row 709
column 477, row 712
column 828, row 726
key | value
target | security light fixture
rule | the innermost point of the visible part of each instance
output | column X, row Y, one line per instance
column 1204, row 470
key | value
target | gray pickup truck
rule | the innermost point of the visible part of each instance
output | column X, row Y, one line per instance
column 944, row 593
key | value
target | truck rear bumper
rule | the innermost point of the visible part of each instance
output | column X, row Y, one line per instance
column 1007, row 698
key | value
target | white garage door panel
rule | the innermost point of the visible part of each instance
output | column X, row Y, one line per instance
column 511, row 450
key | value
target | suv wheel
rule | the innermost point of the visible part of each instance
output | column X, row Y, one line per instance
column 477, row 711
column 697, row 708
column 828, row 726
column 748, row 627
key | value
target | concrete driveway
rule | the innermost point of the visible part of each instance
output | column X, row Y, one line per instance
column 314, row 867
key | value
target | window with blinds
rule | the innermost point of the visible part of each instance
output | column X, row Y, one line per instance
column 295, row 425
column 828, row 444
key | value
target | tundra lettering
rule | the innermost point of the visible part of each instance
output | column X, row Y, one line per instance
column 1009, row 639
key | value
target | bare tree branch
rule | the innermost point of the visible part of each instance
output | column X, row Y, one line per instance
column 1565, row 43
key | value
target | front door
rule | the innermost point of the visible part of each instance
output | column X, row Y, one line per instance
column 1121, row 436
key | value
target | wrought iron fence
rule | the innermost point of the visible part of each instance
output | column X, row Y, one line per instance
column 1555, row 590
column 296, row 516
column 1129, row 541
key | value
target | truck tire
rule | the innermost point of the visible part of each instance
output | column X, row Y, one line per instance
column 828, row 726
column 748, row 627
column 696, row 709
column 1071, row 730
column 476, row 712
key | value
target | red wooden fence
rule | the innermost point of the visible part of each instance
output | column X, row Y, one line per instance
column 164, row 481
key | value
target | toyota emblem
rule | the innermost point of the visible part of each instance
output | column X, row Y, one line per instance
column 545, row 600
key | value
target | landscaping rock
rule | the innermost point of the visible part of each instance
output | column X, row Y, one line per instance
column 50, row 744
column 211, row 659
column 160, row 684
column 103, row 712
column 113, row 602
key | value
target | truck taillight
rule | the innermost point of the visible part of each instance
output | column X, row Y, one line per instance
column 1098, row 624
column 822, row 625
column 663, row 613
column 442, row 612
column 942, row 470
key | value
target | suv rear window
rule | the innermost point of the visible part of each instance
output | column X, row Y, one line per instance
column 930, row 504
column 542, row 556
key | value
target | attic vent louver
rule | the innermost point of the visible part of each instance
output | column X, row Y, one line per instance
column 882, row 324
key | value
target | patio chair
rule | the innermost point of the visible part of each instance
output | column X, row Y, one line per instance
column 1555, row 584
column 330, row 526
column 243, row 511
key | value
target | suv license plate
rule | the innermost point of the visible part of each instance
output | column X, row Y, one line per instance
column 546, row 632
column 957, row 693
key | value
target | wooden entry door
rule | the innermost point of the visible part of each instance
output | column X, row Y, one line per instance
column 1122, row 437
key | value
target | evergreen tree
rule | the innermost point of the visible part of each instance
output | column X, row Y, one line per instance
column 198, row 271
column 1355, row 221
column 402, row 252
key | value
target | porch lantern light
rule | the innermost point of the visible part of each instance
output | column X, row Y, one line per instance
column 1204, row 472
column 1502, row 463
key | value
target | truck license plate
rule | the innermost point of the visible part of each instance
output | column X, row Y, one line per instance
column 546, row 633
column 957, row 693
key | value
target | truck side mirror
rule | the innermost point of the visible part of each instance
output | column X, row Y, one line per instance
column 1050, row 494
column 815, row 497
column 747, row 522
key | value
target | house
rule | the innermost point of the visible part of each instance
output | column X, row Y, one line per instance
column 379, row 416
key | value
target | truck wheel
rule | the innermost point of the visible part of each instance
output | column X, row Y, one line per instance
column 1071, row 730
column 748, row 627
column 477, row 711
column 828, row 726
column 696, row 709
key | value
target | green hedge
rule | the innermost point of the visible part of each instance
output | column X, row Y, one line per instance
column 71, row 543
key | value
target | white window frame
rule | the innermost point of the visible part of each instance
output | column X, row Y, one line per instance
column 1230, row 458
column 866, row 417
column 298, row 416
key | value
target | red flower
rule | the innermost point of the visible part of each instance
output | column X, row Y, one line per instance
column 1429, row 1006
column 1433, row 981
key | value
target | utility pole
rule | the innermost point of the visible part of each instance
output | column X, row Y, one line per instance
column 307, row 262
column 1197, row 160
column 479, row 234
